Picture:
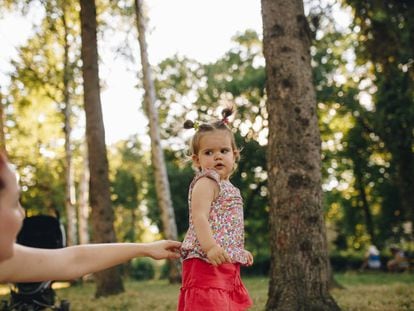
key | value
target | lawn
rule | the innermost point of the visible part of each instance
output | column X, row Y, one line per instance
column 365, row 292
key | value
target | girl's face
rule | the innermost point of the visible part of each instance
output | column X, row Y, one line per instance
column 11, row 213
column 217, row 153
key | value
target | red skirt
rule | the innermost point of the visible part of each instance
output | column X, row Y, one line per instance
column 209, row 288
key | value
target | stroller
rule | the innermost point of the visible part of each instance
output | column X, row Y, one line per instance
column 40, row 231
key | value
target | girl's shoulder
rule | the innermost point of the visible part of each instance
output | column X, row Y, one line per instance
column 207, row 174
column 212, row 174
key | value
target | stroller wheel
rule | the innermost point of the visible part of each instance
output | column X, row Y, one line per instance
column 64, row 305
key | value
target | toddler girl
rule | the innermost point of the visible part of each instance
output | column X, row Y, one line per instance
column 213, row 248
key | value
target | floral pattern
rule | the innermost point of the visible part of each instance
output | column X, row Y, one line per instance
column 225, row 218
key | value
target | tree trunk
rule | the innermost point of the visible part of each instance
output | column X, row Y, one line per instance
column 299, row 273
column 360, row 185
column 108, row 281
column 157, row 156
column 83, row 206
column 67, row 112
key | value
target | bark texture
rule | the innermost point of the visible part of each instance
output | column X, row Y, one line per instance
column 299, row 275
column 109, row 281
column 67, row 114
column 157, row 155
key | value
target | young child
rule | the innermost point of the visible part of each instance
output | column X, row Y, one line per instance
column 26, row 264
column 213, row 248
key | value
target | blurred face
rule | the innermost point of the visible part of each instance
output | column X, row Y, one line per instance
column 216, row 152
column 11, row 213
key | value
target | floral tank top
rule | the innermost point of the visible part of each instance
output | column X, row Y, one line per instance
column 225, row 218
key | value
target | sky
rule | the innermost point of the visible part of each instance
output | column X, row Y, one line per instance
column 201, row 30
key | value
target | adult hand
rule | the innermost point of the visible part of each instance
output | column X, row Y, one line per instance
column 164, row 249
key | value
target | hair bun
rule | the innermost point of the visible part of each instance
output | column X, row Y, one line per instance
column 188, row 124
column 227, row 112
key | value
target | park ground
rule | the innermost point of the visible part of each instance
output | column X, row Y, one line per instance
column 362, row 292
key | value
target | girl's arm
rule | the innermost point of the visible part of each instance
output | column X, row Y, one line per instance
column 204, row 192
column 249, row 258
column 34, row 265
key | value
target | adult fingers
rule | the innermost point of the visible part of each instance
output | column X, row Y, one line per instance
column 173, row 244
column 173, row 255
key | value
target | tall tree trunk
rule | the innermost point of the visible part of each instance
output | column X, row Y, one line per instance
column 360, row 185
column 158, row 162
column 108, row 281
column 83, row 206
column 299, row 273
column 67, row 112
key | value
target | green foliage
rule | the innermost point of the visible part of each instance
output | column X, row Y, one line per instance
column 364, row 189
column 365, row 92
column 385, row 40
column 35, row 101
column 180, row 175
column 128, row 188
column 142, row 269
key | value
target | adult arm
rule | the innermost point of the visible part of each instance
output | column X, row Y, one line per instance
column 33, row 264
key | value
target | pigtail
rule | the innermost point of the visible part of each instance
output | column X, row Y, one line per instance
column 226, row 113
column 188, row 124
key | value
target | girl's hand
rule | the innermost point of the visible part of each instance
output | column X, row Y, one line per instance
column 217, row 255
column 164, row 249
column 249, row 257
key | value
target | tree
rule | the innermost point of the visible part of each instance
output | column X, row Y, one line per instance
column 70, row 199
column 299, row 273
column 157, row 156
column 385, row 39
column 83, row 206
column 108, row 281
column 54, row 74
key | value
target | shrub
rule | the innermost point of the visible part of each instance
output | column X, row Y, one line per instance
column 142, row 269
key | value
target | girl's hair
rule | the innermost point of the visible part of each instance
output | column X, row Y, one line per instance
column 204, row 128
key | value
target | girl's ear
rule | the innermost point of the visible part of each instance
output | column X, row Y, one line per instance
column 196, row 161
column 236, row 154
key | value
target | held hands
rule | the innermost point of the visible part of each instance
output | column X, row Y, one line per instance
column 249, row 258
column 164, row 249
column 217, row 255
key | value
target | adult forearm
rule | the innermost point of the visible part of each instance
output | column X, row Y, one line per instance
column 34, row 265
column 84, row 259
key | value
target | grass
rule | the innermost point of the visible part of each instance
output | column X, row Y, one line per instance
column 375, row 291
column 363, row 291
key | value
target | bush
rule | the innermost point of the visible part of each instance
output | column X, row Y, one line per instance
column 260, row 267
column 345, row 262
column 165, row 271
column 142, row 269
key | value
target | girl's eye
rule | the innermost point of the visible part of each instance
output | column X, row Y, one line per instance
column 208, row 153
column 225, row 151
